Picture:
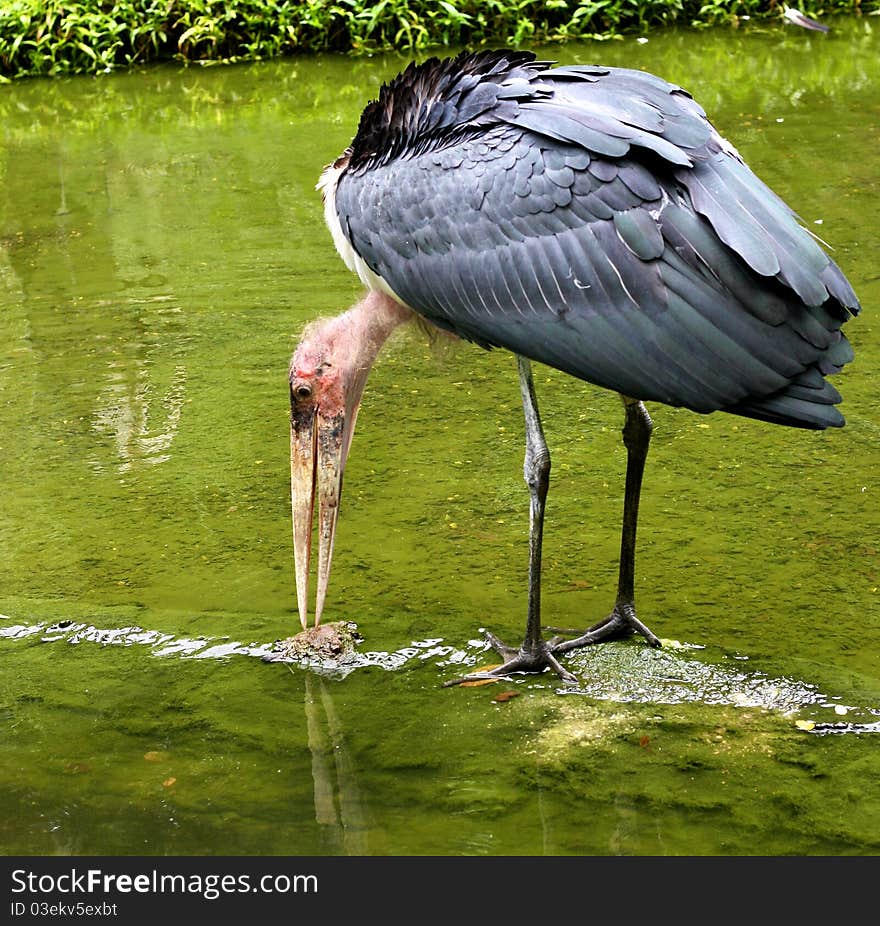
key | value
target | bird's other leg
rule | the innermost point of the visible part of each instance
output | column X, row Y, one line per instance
column 534, row 655
column 622, row 621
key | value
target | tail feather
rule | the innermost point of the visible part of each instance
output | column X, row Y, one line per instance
column 806, row 402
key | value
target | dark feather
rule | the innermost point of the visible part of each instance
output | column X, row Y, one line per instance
column 592, row 219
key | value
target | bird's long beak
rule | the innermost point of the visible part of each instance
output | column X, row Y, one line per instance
column 318, row 448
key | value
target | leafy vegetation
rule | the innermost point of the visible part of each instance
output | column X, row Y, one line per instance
column 58, row 37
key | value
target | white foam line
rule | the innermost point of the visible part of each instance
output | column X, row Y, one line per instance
column 166, row 644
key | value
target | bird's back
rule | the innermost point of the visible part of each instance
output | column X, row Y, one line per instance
column 592, row 219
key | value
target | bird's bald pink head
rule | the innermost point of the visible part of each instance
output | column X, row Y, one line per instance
column 327, row 376
column 320, row 368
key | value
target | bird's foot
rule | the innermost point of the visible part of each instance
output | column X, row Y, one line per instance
column 620, row 623
column 525, row 659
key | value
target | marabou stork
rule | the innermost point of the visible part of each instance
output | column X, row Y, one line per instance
column 588, row 218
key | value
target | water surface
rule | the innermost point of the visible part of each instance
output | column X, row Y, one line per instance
column 161, row 247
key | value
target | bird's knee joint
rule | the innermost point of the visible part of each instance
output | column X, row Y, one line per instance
column 537, row 470
column 637, row 429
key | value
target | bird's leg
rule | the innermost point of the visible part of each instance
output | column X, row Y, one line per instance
column 534, row 655
column 622, row 621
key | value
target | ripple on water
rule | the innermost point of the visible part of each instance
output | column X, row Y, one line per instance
column 624, row 673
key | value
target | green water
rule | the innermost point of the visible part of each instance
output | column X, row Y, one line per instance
column 161, row 246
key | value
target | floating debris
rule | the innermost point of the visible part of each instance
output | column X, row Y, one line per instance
column 478, row 682
column 336, row 640
column 504, row 696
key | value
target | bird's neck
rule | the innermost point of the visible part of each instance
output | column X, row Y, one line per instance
column 368, row 325
column 358, row 336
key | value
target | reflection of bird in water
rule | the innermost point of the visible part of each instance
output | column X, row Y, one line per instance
column 798, row 18
column 588, row 218
column 338, row 807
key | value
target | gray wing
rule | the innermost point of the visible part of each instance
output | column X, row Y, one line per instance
column 607, row 230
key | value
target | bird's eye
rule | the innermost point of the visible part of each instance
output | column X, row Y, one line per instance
column 303, row 391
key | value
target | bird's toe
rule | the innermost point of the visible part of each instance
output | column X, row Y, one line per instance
column 622, row 622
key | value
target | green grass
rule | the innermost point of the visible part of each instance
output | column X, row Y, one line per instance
column 49, row 37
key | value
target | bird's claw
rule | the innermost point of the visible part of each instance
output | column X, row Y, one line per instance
column 621, row 622
column 524, row 659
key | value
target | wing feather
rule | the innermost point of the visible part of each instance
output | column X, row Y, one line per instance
column 596, row 222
